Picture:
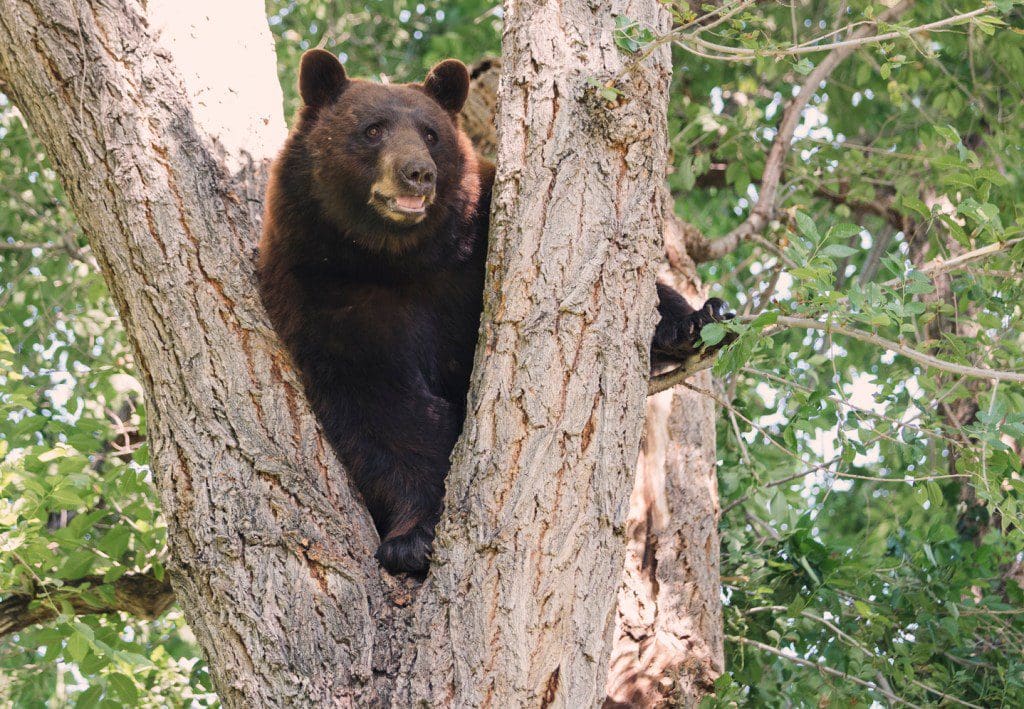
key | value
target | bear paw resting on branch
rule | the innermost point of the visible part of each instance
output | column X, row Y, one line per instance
column 372, row 270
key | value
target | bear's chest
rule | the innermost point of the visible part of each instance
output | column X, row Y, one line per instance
column 370, row 306
column 433, row 321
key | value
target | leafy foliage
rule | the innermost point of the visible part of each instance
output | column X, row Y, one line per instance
column 77, row 511
column 870, row 502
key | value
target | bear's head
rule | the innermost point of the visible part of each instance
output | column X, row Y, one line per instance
column 388, row 163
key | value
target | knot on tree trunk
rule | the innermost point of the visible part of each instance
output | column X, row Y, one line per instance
column 616, row 115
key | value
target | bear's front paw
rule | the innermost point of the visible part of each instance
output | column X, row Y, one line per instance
column 715, row 310
column 407, row 553
column 678, row 339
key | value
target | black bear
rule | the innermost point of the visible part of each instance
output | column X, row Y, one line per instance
column 371, row 267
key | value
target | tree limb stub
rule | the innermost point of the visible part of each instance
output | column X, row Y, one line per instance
column 140, row 595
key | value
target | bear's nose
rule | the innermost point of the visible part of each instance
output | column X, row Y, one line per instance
column 418, row 174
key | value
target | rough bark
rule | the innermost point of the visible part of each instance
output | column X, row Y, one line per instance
column 160, row 128
column 538, row 490
column 668, row 641
column 481, row 109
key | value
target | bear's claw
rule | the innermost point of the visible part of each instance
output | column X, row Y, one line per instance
column 407, row 553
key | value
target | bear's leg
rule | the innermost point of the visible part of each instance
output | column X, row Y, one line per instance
column 398, row 456
column 410, row 496
column 677, row 333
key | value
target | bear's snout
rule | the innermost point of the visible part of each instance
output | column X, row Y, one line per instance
column 418, row 175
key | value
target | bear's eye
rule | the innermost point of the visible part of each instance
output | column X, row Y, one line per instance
column 374, row 133
column 430, row 136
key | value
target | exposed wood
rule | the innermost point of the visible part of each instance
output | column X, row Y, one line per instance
column 669, row 645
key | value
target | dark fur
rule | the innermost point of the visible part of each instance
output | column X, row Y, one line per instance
column 381, row 316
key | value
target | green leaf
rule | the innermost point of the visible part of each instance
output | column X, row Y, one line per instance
column 89, row 698
column 807, row 226
column 839, row 251
column 124, row 688
column 77, row 646
column 712, row 334
column 115, row 542
column 948, row 133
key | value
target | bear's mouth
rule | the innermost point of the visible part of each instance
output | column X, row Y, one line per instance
column 402, row 207
column 408, row 203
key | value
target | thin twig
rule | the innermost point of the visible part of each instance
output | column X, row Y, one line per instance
column 786, row 322
column 829, row 463
column 939, row 266
column 825, row 669
column 782, row 481
column 671, row 36
column 853, row 407
column 26, row 246
column 860, row 646
column 745, row 54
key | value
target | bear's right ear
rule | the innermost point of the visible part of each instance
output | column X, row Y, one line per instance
column 321, row 78
column 448, row 83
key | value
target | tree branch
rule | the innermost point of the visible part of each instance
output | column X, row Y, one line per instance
column 140, row 595
column 857, row 40
column 667, row 380
column 939, row 266
column 765, row 207
column 26, row 246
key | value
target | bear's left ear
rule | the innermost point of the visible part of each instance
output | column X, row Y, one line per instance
column 448, row 84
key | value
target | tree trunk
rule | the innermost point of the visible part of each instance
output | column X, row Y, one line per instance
column 668, row 642
column 534, row 537
column 160, row 125
column 160, row 118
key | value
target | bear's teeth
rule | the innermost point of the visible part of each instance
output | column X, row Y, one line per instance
column 407, row 202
